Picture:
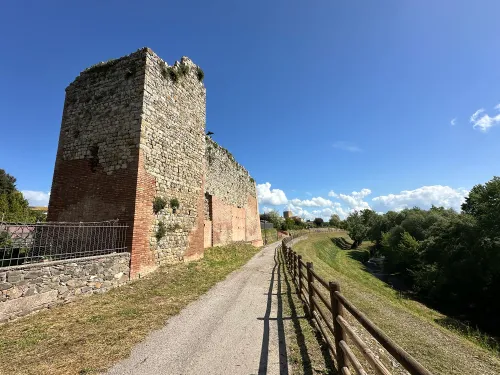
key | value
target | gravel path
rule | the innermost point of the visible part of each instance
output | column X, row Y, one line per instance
column 232, row 329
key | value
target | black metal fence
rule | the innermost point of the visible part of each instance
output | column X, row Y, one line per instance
column 22, row 243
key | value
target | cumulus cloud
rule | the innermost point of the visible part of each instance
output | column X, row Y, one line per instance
column 36, row 198
column 453, row 122
column 484, row 122
column 346, row 146
column 355, row 200
column 274, row 197
column 313, row 202
column 423, row 197
column 331, row 193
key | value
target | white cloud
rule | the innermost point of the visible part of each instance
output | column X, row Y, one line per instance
column 346, row 146
column 36, row 198
column 313, row 202
column 331, row 193
column 476, row 114
column 484, row 122
column 453, row 122
column 423, row 197
column 355, row 199
column 274, row 197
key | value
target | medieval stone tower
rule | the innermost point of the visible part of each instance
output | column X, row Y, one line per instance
column 133, row 129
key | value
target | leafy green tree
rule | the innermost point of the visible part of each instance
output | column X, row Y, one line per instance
column 356, row 228
column 335, row 221
column 483, row 203
column 275, row 218
column 13, row 206
column 7, row 182
column 318, row 222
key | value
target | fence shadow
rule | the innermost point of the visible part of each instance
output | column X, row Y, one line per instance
column 264, row 352
column 299, row 335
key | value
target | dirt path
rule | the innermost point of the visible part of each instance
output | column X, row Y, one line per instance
column 233, row 329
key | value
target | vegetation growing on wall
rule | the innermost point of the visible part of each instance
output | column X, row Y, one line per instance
column 200, row 74
column 159, row 204
column 174, row 203
column 161, row 231
column 102, row 66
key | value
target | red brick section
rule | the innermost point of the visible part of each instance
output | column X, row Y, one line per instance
column 252, row 227
column 196, row 238
column 141, row 257
column 208, row 233
column 78, row 194
column 238, row 223
column 222, row 222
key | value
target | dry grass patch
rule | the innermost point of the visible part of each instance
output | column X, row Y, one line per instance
column 89, row 335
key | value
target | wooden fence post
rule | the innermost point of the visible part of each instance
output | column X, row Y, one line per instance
column 309, row 288
column 294, row 267
column 337, row 310
column 300, row 276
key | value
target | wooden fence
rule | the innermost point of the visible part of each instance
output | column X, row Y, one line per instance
column 325, row 304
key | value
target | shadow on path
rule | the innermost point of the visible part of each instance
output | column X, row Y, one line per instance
column 264, row 351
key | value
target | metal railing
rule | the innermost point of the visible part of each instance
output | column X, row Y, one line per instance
column 22, row 243
column 325, row 305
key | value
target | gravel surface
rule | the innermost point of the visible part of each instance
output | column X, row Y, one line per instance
column 230, row 330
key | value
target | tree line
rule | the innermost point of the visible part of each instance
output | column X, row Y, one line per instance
column 450, row 260
column 13, row 206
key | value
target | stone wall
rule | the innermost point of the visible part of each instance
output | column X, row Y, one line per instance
column 27, row 288
column 173, row 145
column 230, row 197
column 133, row 129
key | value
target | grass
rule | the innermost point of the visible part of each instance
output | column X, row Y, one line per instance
column 270, row 234
column 409, row 323
column 90, row 334
column 307, row 353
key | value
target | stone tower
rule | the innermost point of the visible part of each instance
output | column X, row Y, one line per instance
column 133, row 129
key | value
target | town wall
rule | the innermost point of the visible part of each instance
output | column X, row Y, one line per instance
column 133, row 130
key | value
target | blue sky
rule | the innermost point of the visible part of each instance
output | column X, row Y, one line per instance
column 311, row 97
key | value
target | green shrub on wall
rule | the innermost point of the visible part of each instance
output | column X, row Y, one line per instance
column 174, row 204
column 159, row 204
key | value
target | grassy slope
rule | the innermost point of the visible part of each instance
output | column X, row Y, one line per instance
column 411, row 324
column 89, row 335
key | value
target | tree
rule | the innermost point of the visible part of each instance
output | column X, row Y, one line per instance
column 275, row 218
column 318, row 221
column 356, row 228
column 483, row 203
column 335, row 221
column 7, row 182
column 13, row 206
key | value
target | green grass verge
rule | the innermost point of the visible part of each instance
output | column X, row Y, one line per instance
column 307, row 353
column 417, row 328
column 90, row 334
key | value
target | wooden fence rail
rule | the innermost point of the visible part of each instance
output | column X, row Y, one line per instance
column 325, row 305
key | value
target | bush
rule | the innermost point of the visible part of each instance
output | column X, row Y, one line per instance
column 200, row 74
column 159, row 204
column 174, row 203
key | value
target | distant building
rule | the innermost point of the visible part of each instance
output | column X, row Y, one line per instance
column 287, row 214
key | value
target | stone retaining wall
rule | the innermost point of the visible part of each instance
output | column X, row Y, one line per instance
column 27, row 288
